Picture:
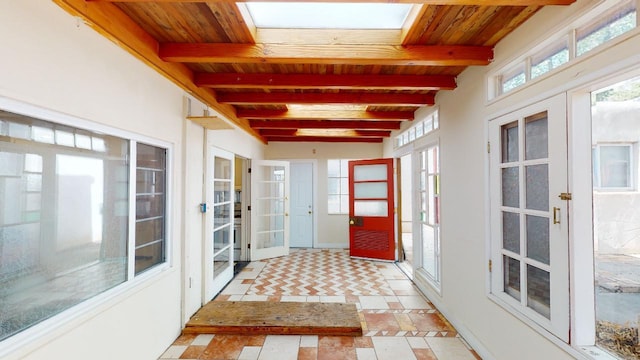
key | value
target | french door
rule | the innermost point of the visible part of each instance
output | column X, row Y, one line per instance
column 371, row 209
column 269, row 209
column 218, row 247
column 529, row 230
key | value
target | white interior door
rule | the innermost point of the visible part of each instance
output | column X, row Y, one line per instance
column 529, row 229
column 269, row 209
column 218, row 249
column 302, row 205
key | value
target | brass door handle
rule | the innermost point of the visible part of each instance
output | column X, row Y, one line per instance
column 556, row 215
column 351, row 222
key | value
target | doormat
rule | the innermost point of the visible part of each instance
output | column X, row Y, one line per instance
column 275, row 318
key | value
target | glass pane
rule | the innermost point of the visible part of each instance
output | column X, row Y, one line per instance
column 544, row 62
column 609, row 27
column 221, row 191
column 510, row 142
column 539, row 291
column 377, row 190
column 510, row 187
column 537, row 187
column 50, row 263
column 344, row 186
column 370, row 172
column 148, row 256
column 270, row 239
column 222, row 168
column 333, row 186
column 344, row 168
column 221, row 262
column 149, row 206
column 429, row 250
column 511, row 277
column 513, row 79
column 333, row 168
column 615, row 171
column 511, row 232
column 536, row 137
column 370, row 208
column 149, row 230
column 431, row 160
column 149, row 182
column 221, row 238
column 538, row 238
column 432, row 199
column 221, row 215
column 65, row 138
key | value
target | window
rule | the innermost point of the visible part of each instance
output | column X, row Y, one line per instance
column 612, row 166
column 603, row 24
column 65, row 212
column 338, row 186
column 289, row 15
column 422, row 128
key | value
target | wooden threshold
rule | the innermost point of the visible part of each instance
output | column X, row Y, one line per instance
column 275, row 318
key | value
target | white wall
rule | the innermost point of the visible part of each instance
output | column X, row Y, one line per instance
column 53, row 62
column 464, row 113
column 333, row 230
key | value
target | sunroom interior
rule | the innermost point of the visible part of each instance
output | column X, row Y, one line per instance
column 130, row 128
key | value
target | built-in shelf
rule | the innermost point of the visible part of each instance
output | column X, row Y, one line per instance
column 211, row 122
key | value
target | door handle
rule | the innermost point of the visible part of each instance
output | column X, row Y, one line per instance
column 310, row 212
column 556, row 215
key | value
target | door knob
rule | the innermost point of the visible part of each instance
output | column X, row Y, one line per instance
column 309, row 212
column 351, row 222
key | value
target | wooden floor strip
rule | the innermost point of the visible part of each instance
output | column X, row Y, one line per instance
column 275, row 318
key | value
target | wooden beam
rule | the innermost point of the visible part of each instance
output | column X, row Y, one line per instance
column 111, row 22
column 391, row 55
column 323, row 139
column 332, row 81
column 324, row 124
column 328, row 36
column 303, row 114
column 380, row 99
column 327, row 132
column 427, row 2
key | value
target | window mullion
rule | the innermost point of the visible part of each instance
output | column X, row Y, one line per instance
column 131, row 243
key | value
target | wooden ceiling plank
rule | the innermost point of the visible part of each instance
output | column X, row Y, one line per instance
column 427, row 2
column 322, row 139
column 111, row 22
column 329, row 81
column 261, row 98
column 324, row 124
column 300, row 114
column 436, row 55
column 352, row 133
column 327, row 36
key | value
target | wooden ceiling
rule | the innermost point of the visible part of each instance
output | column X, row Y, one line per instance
column 308, row 85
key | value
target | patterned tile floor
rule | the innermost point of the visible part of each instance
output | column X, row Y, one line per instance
column 398, row 322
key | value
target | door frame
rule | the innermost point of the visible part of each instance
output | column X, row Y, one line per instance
column 314, row 196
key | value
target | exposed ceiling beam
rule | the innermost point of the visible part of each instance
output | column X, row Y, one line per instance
column 304, row 114
column 424, row 55
column 381, row 99
column 111, row 22
column 323, row 139
column 332, row 81
column 353, row 133
column 428, row 2
column 324, row 124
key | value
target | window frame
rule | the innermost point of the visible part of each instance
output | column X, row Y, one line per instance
column 341, row 192
column 631, row 166
column 51, row 327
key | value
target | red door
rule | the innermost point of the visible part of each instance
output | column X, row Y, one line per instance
column 371, row 205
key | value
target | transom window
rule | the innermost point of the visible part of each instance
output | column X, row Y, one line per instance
column 300, row 15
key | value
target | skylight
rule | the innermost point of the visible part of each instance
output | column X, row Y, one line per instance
column 300, row 15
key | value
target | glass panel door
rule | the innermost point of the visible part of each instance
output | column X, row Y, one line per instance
column 219, row 220
column 270, row 209
column 529, row 224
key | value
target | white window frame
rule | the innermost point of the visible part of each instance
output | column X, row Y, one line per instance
column 597, row 175
column 342, row 192
column 589, row 17
column 47, row 329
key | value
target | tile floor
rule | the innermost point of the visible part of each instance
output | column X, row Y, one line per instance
column 398, row 323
